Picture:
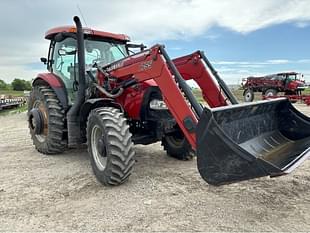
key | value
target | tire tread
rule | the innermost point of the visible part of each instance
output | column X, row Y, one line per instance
column 119, row 145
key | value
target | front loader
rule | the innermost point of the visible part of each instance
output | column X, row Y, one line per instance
column 96, row 92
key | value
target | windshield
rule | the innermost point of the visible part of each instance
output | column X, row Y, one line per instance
column 96, row 51
column 65, row 59
column 103, row 52
column 291, row 77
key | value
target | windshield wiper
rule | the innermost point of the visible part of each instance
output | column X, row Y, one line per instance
column 116, row 45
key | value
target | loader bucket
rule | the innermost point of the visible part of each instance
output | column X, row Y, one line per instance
column 245, row 141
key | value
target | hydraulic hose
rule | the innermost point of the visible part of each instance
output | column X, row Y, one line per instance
column 108, row 94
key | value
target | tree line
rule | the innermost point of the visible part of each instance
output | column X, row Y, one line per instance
column 16, row 85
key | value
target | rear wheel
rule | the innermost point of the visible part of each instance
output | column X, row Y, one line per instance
column 177, row 146
column 271, row 92
column 248, row 95
column 110, row 146
column 46, row 120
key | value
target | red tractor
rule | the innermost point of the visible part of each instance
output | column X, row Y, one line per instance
column 271, row 85
column 96, row 92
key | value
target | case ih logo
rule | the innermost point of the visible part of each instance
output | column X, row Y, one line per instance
column 146, row 65
column 114, row 66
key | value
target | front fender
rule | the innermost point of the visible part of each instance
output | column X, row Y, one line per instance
column 91, row 104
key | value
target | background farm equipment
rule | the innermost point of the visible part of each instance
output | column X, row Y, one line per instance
column 289, row 84
column 292, row 98
column 6, row 103
column 110, row 100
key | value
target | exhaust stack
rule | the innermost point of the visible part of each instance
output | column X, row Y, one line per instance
column 73, row 119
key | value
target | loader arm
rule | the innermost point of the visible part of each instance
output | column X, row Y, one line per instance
column 155, row 64
column 197, row 67
column 233, row 142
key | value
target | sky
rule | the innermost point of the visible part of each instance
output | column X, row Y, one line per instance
column 240, row 37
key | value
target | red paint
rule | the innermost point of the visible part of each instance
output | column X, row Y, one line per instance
column 294, row 84
column 293, row 98
column 149, row 69
column 52, row 32
column 52, row 79
column 100, row 78
column 132, row 98
column 192, row 67
column 149, row 66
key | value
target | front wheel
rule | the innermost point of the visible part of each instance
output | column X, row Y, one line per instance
column 110, row 146
column 177, row 146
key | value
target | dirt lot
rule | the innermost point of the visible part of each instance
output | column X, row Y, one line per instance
column 60, row 193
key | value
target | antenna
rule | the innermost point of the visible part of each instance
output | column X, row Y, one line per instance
column 79, row 9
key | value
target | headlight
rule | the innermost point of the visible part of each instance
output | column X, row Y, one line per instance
column 156, row 104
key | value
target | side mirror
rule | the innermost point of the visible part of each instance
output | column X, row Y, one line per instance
column 44, row 60
column 133, row 46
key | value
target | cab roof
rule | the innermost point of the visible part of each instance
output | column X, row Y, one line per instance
column 52, row 32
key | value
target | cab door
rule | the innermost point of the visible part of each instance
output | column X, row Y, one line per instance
column 65, row 65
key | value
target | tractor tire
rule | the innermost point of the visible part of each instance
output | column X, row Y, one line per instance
column 271, row 92
column 110, row 146
column 248, row 95
column 46, row 120
column 177, row 147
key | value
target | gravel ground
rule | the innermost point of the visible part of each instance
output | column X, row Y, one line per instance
column 60, row 193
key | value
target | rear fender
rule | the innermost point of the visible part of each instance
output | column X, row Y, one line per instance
column 56, row 84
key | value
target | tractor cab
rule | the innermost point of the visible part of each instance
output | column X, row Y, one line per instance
column 293, row 81
column 101, row 48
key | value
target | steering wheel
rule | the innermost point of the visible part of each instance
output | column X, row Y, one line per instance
column 98, row 60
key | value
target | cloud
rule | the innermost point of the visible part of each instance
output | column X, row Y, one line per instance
column 175, row 19
column 303, row 61
column 23, row 23
column 302, row 24
column 212, row 37
column 175, row 48
column 231, row 62
column 259, row 64
column 278, row 61
column 253, row 66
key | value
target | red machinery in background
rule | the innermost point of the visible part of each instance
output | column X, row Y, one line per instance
column 287, row 84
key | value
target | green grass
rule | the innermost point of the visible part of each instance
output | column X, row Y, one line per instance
column 306, row 91
column 12, row 93
column 238, row 94
column 198, row 95
column 5, row 112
